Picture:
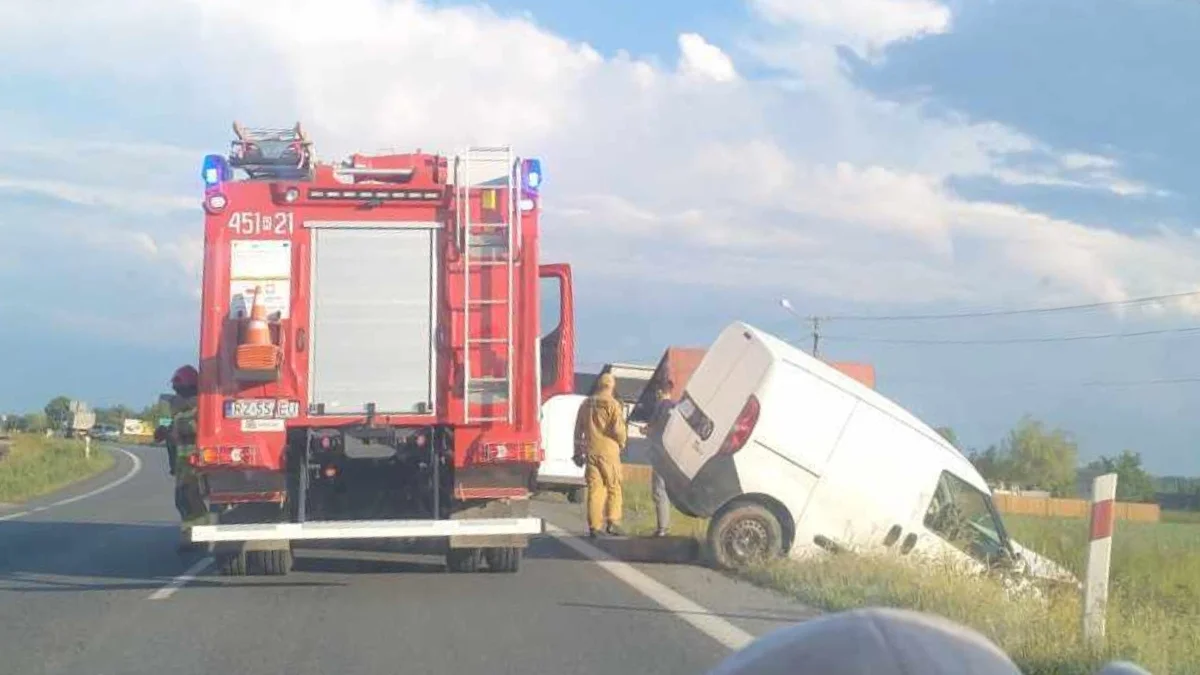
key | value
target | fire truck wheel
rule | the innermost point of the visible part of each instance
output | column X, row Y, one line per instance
column 507, row 559
column 274, row 563
column 232, row 565
column 577, row 495
column 464, row 560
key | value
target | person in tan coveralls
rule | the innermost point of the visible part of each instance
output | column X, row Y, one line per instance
column 600, row 436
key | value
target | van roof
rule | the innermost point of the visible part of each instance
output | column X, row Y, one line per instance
column 784, row 351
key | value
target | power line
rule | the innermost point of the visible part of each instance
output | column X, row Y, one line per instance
column 1012, row 312
column 1006, row 341
column 1001, row 385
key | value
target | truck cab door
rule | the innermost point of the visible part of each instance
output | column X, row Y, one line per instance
column 557, row 342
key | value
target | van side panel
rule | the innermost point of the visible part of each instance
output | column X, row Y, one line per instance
column 802, row 416
column 876, row 478
column 764, row 470
column 800, row 420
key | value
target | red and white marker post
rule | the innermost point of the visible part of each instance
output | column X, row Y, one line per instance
column 1099, row 558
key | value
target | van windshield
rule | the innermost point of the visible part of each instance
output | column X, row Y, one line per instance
column 966, row 518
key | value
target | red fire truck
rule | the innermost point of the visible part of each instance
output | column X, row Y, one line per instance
column 372, row 364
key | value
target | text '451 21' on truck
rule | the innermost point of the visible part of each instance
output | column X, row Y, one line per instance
column 372, row 363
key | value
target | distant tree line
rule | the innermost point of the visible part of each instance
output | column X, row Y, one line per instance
column 1035, row 457
column 57, row 413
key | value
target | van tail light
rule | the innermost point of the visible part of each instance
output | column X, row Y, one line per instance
column 743, row 426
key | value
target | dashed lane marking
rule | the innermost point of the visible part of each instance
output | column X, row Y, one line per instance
column 182, row 580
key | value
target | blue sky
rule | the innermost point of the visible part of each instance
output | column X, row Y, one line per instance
column 859, row 157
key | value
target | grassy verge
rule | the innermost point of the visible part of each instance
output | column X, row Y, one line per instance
column 1154, row 604
column 36, row 465
column 1192, row 517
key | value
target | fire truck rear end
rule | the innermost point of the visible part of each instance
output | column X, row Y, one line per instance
column 371, row 362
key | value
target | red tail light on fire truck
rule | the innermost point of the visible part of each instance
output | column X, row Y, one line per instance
column 223, row 456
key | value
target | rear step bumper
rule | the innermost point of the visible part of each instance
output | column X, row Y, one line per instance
column 367, row 529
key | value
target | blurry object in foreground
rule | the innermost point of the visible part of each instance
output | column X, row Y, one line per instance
column 878, row 641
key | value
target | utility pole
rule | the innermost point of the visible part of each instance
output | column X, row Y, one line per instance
column 816, row 335
column 814, row 320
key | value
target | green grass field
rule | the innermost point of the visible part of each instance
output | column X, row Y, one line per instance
column 37, row 465
column 1154, row 603
column 1192, row 517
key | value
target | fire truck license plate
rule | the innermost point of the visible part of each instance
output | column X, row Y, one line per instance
column 261, row 408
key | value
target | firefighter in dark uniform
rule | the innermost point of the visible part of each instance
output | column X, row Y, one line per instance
column 180, row 442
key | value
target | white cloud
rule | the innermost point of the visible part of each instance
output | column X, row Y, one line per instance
column 699, row 58
column 863, row 25
column 103, row 196
column 677, row 173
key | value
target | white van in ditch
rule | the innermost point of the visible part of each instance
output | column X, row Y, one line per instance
column 788, row 456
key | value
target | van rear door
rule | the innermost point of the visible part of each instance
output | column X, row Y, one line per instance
column 731, row 371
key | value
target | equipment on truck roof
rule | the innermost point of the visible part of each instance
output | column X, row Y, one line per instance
column 277, row 154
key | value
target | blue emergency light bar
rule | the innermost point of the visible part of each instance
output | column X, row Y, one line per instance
column 215, row 171
column 531, row 175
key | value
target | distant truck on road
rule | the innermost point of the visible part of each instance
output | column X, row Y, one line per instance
column 80, row 420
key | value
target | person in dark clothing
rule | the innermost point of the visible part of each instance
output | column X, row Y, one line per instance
column 181, row 440
column 185, row 383
column 654, row 432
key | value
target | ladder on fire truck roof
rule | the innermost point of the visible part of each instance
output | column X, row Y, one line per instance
column 482, row 250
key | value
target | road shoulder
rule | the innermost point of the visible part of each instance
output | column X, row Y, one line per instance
column 751, row 608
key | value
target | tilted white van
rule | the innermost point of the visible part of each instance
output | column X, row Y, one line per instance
column 788, row 456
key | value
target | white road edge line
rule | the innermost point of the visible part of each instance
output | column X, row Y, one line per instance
column 182, row 580
column 700, row 617
column 137, row 466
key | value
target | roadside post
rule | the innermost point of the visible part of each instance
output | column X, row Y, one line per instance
column 1099, row 557
column 87, row 446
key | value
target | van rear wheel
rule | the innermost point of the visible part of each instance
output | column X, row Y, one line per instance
column 743, row 535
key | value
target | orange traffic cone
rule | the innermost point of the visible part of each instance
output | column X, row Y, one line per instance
column 257, row 352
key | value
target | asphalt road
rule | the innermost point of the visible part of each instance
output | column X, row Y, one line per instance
column 90, row 583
